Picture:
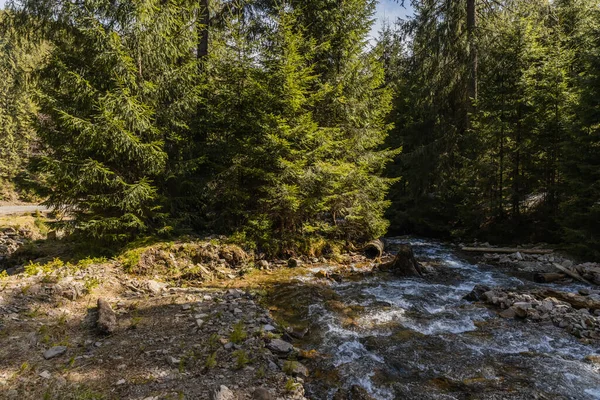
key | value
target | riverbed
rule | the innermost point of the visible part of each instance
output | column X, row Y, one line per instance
column 401, row 338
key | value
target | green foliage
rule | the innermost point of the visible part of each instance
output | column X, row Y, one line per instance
column 211, row 360
column 517, row 163
column 19, row 60
column 114, row 94
column 241, row 359
column 238, row 335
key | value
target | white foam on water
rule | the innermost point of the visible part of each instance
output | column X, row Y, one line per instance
column 438, row 326
column 594, row 393
column 384, row 316
column 378, row 392
column 350, row 351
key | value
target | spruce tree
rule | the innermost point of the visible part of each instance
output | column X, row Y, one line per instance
column 114, row 100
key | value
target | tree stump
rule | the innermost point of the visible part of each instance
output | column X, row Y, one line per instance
column 404, row 264
column 374, row 249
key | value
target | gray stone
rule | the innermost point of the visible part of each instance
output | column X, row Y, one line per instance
column 508, row 313
column 155, row 287
column 263, row 264
column 221, row 393
column 521, row 309
column 295, row 368
column 280, row 346
column 46, row 375
column 107, row 319
column 567, row 263
column 55, row 352
column 262, row 394
column 269, row 328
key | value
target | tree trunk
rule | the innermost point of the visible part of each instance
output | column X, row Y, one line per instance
column 374, row 249
column 473, row 59
column 203, row 22
column 404, row 264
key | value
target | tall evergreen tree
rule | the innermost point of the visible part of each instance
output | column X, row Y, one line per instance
column 115, row 96
column 19, row 60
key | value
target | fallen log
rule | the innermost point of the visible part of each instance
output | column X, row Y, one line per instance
column 572, row 274
column 404, row 264
column 506, row 250
column 548, row 277
column 374, row 249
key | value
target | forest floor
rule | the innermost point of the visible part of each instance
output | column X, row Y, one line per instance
column 169, row 341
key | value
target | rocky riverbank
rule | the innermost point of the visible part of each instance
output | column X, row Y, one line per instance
column 165, row 341
column 579, row 314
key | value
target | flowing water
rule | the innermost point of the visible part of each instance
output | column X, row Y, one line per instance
column 404, row 338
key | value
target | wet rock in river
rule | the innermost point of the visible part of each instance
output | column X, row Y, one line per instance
column 508, row 313
column 477, row 293
column 521, row 308
column 355, row 393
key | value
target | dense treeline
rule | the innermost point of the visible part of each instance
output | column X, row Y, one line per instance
column 19, row 60
column 250, row 118
column 276, row 121
column 499, row 121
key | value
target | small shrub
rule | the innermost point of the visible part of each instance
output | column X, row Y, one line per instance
column 241, row 359
column 238, row 335
column 91, row 283
column 211, row 361
column 290, row 385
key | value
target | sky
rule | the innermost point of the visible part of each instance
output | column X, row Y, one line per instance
column 387, row 10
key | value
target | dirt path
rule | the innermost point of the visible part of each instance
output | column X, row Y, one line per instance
column 8, row 210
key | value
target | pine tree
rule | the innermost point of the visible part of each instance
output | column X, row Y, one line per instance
column 19, row 59
column 114, row 99
column 580, row 208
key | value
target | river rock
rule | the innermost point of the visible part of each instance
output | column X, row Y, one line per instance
column 294, row 263
column 262, row 393
column 107, row 319
column 55, row 351
column 477, row 293
column 221, row 393
column 280, row 346
column 521, row 308
column 508, row 313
